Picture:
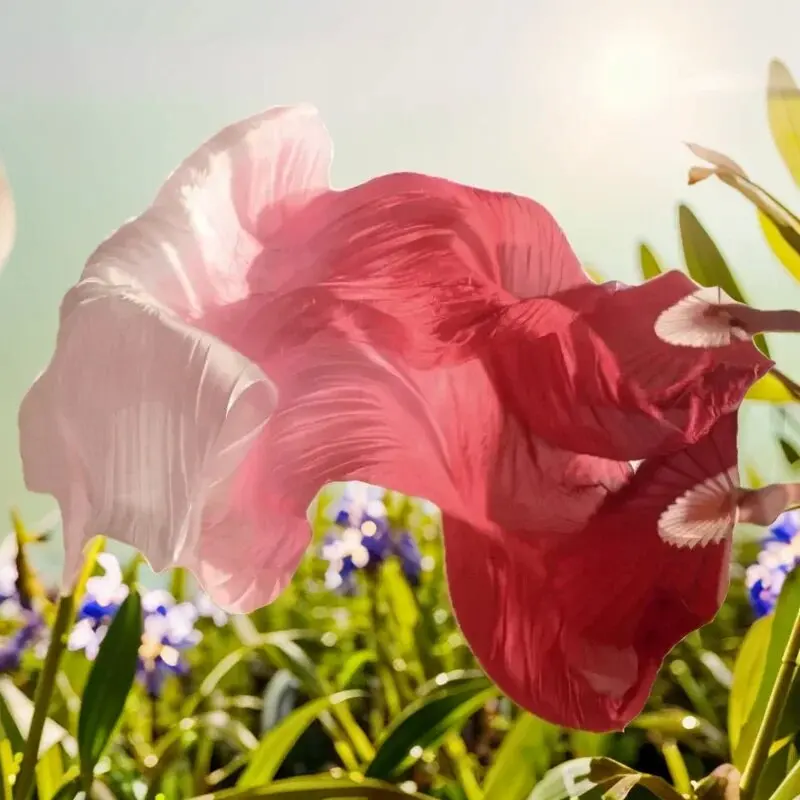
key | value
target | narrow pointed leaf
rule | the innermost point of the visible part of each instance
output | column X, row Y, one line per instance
column 319, row 787
column 109, row 682
column 747, row 674
column 790, row 453
column 276, row 744
column 648, row 263
column 523, row 759
column 784, row 242
column 425, row 723
column 782, row 621
column 783, row 107
column 706, row 263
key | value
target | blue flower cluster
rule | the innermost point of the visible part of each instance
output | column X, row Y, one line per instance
column 780, row 553
column 365, row 538
column 168, row 632
column 21, row 626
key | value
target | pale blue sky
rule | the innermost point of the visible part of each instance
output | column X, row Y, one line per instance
column 580, row 104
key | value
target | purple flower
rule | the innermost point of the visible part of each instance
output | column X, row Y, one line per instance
column 168, row 627
column 26, row 630
column 21, row 628
column 168, row 632
column 367, row 540
column 104, row 595
column 779, row 555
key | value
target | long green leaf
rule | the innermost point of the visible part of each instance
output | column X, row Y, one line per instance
column 425, row 723
column 109, row 682
column 705, row 262
column 523, row 759
column 789, row 789
column 321, row 787
column 276, row 744
column 747, row 676
column 783, row 107
column 784, row 616
column 784, row 242
column 49, row 774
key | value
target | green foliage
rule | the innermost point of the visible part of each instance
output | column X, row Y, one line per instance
column 109, row 683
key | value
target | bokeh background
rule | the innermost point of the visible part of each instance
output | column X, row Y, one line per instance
column 582, row 105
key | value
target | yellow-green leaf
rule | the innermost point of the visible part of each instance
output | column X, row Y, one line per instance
column 770, row 389
column 648, row 263
column 523, row 759
column 278, row 742
column 783, row 107
column 702, row 256
column 706, row 263
column 785, row 253
column 747, row 676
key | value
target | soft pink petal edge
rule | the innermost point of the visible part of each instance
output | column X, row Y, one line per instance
column 8, row 218
column 110, row 426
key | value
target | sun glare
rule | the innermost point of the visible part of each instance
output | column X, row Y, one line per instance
column 630, row 74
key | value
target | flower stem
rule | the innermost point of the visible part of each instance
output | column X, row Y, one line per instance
column 772, row 715
column 44, row 691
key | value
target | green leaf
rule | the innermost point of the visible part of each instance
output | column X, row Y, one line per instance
column 621, row 788
column 109, row 683
column 784, row 242
column 401, row 601
column 276, row 744
column 783, row 108
column 747, row 677
column 8, row 769
column 783, row 619
column 523, row 759
column 319, row 787
column 770, row 389
column 16, row 712
column 789, row 453
column 648, row 263
column 425, row 723
column 703, row 259
column 28, row 584
column 609, row 773
column 49, row 774
column 353, row 667
column 790, row 719
column 584, row 743
column 789, row 789
column 705, row 262
column 69, row 790
column 681, row 725
column 231, row 661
